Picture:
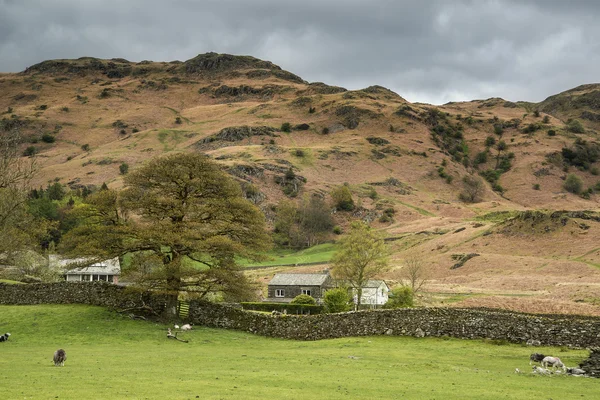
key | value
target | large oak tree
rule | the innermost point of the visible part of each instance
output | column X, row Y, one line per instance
column 185, row 222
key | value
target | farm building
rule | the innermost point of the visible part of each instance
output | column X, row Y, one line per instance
column 284, row 287
column 108, row 270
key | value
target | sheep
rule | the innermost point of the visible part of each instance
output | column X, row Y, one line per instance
column 60, row 356
column 4, row 338
column 176, row 326
column 533, row 342
column 186, row 327
column 536, row 357
column 553, row 362
column 575, row 371
column 541, row 371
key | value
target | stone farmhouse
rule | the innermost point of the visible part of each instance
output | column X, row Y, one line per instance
column 284, row 287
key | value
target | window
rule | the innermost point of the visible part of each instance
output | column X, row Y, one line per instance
column 279, row 293
column 306, row 291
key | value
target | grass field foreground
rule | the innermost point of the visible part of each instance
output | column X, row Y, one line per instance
column 111, row 356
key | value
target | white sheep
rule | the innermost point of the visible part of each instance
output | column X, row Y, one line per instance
column 186, row 327
column 553, row 362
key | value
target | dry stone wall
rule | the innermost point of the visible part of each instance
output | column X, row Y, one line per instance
column 552, row 330
column 92, row 293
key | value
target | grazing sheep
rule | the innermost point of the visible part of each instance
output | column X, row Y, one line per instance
column 4, row 338
column 60, row 356
column 176, row 326
column 541, row 371
column 536, row 357
column 553, row 362
column 186, row 327
column 575, row 371
column 533, row 342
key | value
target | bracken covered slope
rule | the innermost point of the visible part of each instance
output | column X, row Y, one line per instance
column 86, row 117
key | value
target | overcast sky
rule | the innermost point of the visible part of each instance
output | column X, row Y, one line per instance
column 431, row 51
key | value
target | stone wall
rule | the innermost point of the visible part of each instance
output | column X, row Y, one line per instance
column 551, row 330
column 92, row 293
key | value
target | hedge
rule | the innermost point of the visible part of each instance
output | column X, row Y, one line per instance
column 281, row 307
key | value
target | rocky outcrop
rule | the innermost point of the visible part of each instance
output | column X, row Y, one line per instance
column 237, row 133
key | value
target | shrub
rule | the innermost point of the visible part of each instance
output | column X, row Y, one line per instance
column 135, row 130
column 43, row 107
column 287, row 307
column 65, row 109
column 85, row 147
column 536, row 186
column 286, row 127
column 178, row 120
column 594, row 171
column 498, row 129
column 337, row 300
column 501, row 146
column 337, row 230
column 29, row 151
column 480, row 158
column 342, row 198
column 123, row 132
column 325, row 131
column 9, row 110
column 551, row 132
column 573, row 184
column 304, row 299
column 299, row 153
column 48, row 138
column 400, row 297
column 373, row 193
column 124, row 168
column 546, row 119
column 490, row 141
column 536, row 113
column 575, row 126
column 473, row 189
column 311, row 110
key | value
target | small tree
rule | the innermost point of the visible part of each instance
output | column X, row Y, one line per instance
column 575, row 126
column 414, row 274
column 400, row 297
column 337, row 300
column 342, row 198
column 472, row 189
column 304, row 299
column 361, row 256
column 573, row 184
column 286, row 127
column 124, row 168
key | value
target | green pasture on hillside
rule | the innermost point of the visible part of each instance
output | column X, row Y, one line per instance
column 110, row 356
column 317, row 254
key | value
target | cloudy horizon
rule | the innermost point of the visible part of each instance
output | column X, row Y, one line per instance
column 427, row 51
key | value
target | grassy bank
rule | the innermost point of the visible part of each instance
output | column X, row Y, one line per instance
column 111, row 356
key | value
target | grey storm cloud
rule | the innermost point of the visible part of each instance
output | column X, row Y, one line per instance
column 428, row 51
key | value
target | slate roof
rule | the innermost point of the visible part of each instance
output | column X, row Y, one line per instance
column 298, row 279
column 107, row 267
column 373, row 283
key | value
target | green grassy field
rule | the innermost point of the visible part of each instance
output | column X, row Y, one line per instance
column 319, row 253
column 112, row 357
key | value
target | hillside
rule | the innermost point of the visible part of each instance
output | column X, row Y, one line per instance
column 84, row 118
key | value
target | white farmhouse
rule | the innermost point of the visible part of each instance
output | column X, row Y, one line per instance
column 374, row 293
column 107, row 270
